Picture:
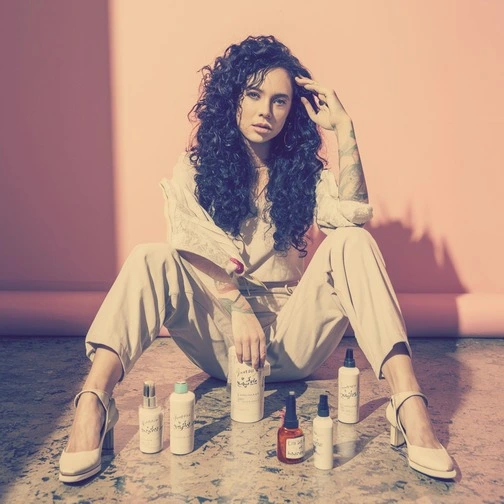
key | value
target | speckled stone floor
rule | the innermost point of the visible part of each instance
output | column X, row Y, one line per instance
column 235, row 462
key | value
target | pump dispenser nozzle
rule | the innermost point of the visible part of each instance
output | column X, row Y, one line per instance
column 149, row 394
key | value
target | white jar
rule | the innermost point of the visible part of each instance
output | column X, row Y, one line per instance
column 247, row 389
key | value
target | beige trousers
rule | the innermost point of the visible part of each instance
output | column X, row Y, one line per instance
column 346, row 281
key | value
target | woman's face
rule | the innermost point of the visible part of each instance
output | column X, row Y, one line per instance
column 264, row 108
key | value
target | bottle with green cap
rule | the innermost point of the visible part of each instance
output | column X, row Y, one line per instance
column 348, row 390
column 323, row 436
column 182, row 402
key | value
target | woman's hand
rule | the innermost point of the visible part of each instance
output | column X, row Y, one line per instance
column 331, row 113
column 248, row 335
column 249, row 339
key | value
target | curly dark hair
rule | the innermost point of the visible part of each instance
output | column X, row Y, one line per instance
column 225, row 173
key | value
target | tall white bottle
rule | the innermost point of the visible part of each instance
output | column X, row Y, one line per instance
column 323, row 436
column 247, row 389
column 348, row 390
column 150, row 417
column 182, row 402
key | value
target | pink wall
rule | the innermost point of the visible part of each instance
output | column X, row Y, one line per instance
column 93, row 114
column 57, row 226
column 421, row 79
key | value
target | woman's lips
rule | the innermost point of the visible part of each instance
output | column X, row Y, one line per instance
column 261, row 128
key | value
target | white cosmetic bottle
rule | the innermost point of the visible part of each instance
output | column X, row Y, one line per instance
column 182, row 402
column 348, row 390
column 323, row 436
column 247, row 389
column 150, row 417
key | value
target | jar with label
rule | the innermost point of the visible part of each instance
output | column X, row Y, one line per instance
column 247, row 389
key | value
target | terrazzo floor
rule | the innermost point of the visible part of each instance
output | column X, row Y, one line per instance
column 235, row 462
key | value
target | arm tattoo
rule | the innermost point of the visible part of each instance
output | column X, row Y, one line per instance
column 223, row 287
column 352, row 184
column 239, row 305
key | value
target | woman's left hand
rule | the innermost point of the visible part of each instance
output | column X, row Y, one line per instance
column 331, row 112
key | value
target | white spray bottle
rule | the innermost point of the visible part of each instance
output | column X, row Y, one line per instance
column 348, row 390
column 323, row 436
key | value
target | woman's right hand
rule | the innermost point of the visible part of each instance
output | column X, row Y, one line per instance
column 249, row 338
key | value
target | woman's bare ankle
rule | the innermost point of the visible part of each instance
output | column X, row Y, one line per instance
column 417, row 423
column 87, row 424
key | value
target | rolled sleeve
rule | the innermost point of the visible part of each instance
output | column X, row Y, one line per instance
column 190, row 228
column 331, row 212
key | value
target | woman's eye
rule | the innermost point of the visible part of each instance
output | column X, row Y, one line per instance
column 281, row 101
column 253, row 94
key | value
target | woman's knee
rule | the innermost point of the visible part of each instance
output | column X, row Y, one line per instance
column 351, row 238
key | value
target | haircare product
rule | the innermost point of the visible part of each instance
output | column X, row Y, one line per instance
column 182, row 402
column 348, row 390
column 290, row 438
column 150, row 417
column 323, row 436
column 247, row 389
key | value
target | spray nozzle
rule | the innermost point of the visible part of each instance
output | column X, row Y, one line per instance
column 291, row 420
column 323, row 406
column 349, row 358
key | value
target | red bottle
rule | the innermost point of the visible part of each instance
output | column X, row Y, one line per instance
column 290, row 438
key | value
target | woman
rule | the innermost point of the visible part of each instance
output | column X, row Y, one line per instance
column 231, row 273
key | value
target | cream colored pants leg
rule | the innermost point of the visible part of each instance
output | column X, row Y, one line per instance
column 346, row 281
column 157, row 287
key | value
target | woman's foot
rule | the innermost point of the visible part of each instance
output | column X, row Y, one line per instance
column 410, row 423
column 92, row 432
column 417, row 423
column 87, row 425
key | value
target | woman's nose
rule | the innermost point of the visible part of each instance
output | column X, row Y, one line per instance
column 265, row 110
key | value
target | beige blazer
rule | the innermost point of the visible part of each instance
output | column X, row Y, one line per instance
column 190, row 228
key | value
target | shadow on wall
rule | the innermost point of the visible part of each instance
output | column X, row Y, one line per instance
column 413, row 264
column 422, row 273
column 57, row 219
column 425, row 278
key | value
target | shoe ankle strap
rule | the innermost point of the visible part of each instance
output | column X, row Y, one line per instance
column 400, row 398
column 103, row 397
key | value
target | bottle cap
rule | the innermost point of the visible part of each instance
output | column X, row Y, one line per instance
column 290, row 420
column 181, row 387
column 323, row 406
column 349, row 359
column 149, row 394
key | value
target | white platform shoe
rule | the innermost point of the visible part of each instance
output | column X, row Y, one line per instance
column 433, row 462
column 78, row 466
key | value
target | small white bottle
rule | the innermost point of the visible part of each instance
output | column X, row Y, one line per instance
column 182, row 402
column 348, row 390
column 323, row 436
column 150, row 417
